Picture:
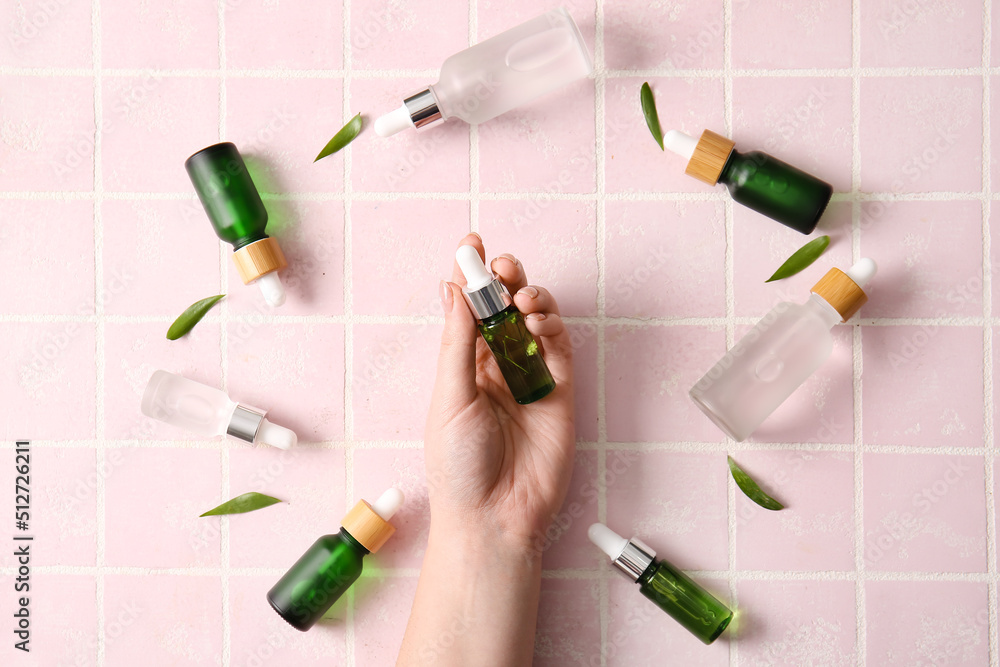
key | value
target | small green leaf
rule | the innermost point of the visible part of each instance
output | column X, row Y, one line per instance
column 649, row 111
column 192, row 316
column 346, row 135
column 801, row 258
column 248, row 502
column 750, row 488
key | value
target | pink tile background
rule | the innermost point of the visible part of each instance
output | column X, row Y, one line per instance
column 886, row 457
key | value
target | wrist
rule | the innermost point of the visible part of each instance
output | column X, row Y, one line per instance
column 479, row 543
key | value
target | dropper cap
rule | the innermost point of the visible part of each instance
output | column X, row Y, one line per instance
column 419, row 111
column 706, row 156
column 631, row 557
column 845, row 291
column 269, row 433
column 483, row 291
column 393, row 122
column 369, row 524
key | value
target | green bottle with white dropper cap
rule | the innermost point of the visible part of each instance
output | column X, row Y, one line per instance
column 670, row 589
column 502, row 327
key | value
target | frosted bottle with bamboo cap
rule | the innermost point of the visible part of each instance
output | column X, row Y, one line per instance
column 755, row 179
column 333, row 562
column 775, row 357
column 497, row 75
column 238, row 216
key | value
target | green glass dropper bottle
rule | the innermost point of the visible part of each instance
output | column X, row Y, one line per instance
column 670, row 589
column 238, row 216
column 754, row 179
column 502, row 327
column 333, row 562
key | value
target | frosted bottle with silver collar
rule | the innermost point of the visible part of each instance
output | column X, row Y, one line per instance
column 775, row 357
column 669, row 589
column 502, row 327
column 205, row 410
column 497, row 75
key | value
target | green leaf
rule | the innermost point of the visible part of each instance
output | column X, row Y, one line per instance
column 649, row 111
column 346, row 135
column 192, row 316
column 750, row 488
column 248, row 502
column 801, row 258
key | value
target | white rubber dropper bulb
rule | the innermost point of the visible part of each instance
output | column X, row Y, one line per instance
column 608, row 540
column 476, row 275
column 395, row 121
column 676, row 141
column 388, row 503
column 272, row 289
column 863, row 271
column 277, row 436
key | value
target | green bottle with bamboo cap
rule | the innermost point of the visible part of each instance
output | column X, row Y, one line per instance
column 333, row 562
column 238, row 216
column 755, row 179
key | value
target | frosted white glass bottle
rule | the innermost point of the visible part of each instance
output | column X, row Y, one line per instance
column 775, row 357
column 204, row 410
column 498, row 74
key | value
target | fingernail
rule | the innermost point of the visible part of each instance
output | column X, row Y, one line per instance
column 477, row 236
column 508, row 256
column 447, row 296
column 538, row 317
column 528, row 290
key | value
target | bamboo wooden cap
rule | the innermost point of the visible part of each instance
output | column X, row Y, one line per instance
column 260, row 257
column 709, row 157
column 367, row 527
column 845, row 295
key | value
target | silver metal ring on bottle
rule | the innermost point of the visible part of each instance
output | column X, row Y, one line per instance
column 488, row 301
column 424, row 110
column 245, row 422
column 634, row 559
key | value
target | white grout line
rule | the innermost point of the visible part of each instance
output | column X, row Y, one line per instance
column 581, row 445
column 348, row 195
column 101, row 494
column 988, row 425
column 631, row 322
column 701, row 73
column 473, row 134
column 727, row 110
column 861, row 620
column 600, row 232
column 595, row 573
column 224, row 252
column 638, row 196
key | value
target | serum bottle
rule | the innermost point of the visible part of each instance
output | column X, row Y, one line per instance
column 496, row 75
column 205, row 410
column 502, row 327
column 333, row 562
column 238, row 216
column 670, row 589
column 754, row 179
column 775, row 357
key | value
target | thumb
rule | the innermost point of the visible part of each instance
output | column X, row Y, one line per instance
column 456, row 370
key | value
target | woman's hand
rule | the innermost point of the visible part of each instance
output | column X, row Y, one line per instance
column 497, row 474
column 491, row 462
